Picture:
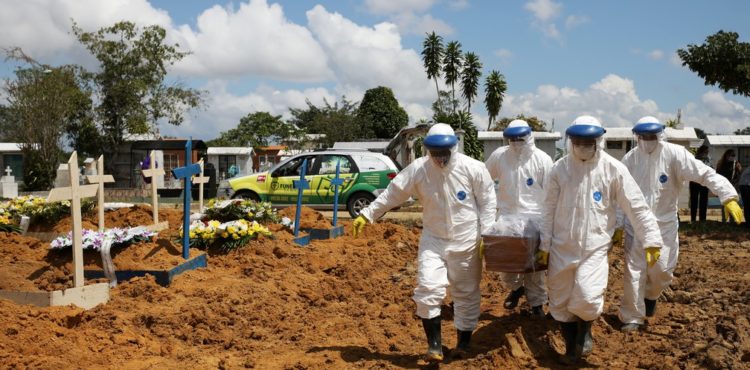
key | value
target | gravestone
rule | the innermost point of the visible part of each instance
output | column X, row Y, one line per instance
column 8, row 185
column 63, row 176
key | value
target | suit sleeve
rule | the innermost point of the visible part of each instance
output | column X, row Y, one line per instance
column 397, row 192
column 484, row 188
column 552, row 191
column 694, row 170
column 633, row 205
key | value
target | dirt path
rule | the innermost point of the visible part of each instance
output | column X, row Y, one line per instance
column 346, row 304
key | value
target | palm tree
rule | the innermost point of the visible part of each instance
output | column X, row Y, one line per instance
column 452, row 67
column 470, row 78
column 494, row 87
column 432, row 55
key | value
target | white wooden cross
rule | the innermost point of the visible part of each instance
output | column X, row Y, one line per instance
column 74, row 193
column 8, row 171
column 200, row 180
column 152, row 172
column 100, row 178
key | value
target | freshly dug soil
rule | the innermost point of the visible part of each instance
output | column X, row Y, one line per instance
column 309, row 218
column 345, row 303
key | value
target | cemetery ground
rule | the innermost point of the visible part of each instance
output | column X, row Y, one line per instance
column 345, row 303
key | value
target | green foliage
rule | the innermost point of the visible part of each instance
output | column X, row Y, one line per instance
column 494, row 87
column 43, row 103
column 257, row 129
column 452, row 62
column 432, row 55
column 721, row 61
column 744, row 131
column 470, row 74
column 534, row 122
column 463, row 121
column 133, row 65
column 338, row 122
column 380, row 114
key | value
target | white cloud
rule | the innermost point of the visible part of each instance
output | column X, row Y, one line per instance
column 675, row 60
column 458, row 4
column 255, row 39
column 225, row 109
column 503, row 53
column 543, row 10
column 366, row 57
column 656, row 54
column 410, row 23
column 573, row 21
column 43, row 28
column 615, row 102
column 398, row 6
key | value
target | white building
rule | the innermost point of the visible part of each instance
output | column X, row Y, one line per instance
column 546, row 141
column 223, row 158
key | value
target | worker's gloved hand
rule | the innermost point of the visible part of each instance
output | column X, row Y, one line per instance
column 617, row 237
column 542, row 257
column 358, row 225
column 731, row 208
column 652, row 255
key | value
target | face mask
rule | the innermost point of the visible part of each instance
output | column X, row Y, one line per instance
column 441, row 157
column 517, row 145
column 648, row 145
column 584, row 153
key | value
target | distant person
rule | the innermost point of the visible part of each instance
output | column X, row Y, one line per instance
column 729, row 167
column 698, row 192
column 744, row 185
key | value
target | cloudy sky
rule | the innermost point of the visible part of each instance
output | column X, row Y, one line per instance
column 613, row 59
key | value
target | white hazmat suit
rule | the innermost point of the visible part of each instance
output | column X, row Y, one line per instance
column 579, row 217
column 660, row 169
column 458, row 205
column 519, row 169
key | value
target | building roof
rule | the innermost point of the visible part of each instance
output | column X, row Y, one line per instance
column 538, row 135
column 229, row 150
column 10, row 147
column 731, row 140
column 369, row 145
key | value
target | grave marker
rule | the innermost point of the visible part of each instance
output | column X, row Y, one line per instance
column 99, row 179
column 200, row 180
column 185, row 173
column 152, row 172
column 300, row 185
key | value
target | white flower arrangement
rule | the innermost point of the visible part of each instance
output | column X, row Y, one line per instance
column 95, row 239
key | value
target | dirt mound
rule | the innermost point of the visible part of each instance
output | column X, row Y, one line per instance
column 345, row 303
column 309, row 218
column 138, row 215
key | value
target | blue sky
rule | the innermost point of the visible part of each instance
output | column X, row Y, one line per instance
column 613, row 59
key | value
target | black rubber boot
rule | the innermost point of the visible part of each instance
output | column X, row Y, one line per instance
column 434, row 341
column 650, row 307
column 462, row 348
column 512, row 301
column 584, row 342
column 537, row 312
column 569, row 331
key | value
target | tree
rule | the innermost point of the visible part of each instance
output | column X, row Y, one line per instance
column 432, row 55
column 722, row 60
column 42, row 102
column 744, row 131
column 472, row 71
column 494, row 87
column 452, row 61
column 133, row 94
column 535, row 123
column 380, row 114
column 255, row 130
column 338, row 122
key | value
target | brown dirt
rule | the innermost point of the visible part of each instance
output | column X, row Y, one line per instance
column 138, row 215
column 345, row 304
column 309, row 218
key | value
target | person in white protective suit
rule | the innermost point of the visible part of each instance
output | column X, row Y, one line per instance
column 458, row 199
column 584, row 190
column 519, row 169
column 661, row 169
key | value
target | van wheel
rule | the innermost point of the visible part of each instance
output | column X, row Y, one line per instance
column 357, row 202
column 246, row 194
